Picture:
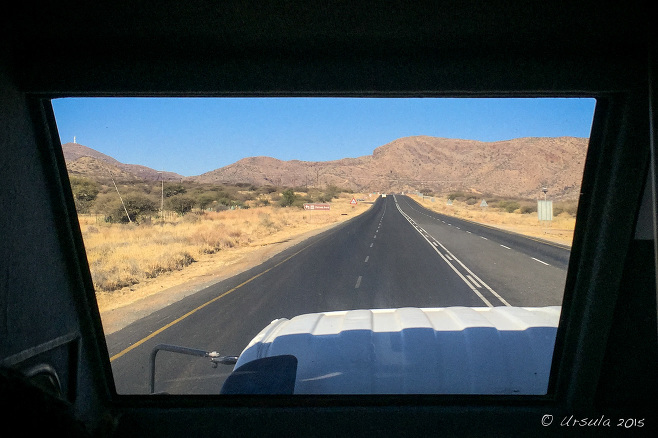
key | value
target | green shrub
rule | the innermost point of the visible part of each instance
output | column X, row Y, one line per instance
column 85, row 192
column 181, row 204
column 569, row 207
column 459, row 196
column 322, row 197
column 205, row 200
column 332, row 191
column 509, row 206
column 287, row 198
column 527, row 209
column 264, row 202
column 137, row 205
column 84, row 189
column 173, row 190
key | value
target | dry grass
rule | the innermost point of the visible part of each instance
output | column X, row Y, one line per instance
column 126, row 257
column 560, row 230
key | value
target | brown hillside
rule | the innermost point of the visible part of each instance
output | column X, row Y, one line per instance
column 87, row 162
column 98, row 170
column 518, row 167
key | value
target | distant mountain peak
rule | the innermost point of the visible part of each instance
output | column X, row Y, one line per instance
column 73, row 151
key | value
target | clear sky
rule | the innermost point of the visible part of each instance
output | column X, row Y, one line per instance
column 191, row 136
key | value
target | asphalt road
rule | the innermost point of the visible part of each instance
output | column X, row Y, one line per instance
column 397, row 254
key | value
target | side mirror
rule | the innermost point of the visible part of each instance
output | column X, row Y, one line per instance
column 215, row 358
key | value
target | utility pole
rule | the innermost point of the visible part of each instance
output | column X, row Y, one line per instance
column 161, row 195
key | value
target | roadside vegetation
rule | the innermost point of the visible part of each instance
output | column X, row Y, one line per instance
column 130, row 239
column 145, row 201
column 512, row 214
column 512, row 205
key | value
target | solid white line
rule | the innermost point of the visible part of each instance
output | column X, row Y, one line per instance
column 366, row 260
column 449, row 254
column 506, row 247
column 464, row 279
column 501, row 299
column 537, row 260
column 473, row 281
column 358, row 282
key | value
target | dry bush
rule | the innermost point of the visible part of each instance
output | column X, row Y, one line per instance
column 123, row 255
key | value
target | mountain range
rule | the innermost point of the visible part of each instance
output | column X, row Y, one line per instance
column 518, row 168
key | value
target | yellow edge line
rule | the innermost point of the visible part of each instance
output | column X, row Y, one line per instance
column 176, row 321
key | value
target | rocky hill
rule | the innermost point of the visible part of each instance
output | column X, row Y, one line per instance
column 517, row 167
column 87, row 162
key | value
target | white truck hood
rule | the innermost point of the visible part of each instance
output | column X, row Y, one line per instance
column 453, row 350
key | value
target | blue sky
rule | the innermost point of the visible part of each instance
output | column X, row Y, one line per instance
column 191, row 136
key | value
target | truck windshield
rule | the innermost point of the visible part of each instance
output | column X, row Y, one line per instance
column 387, row 245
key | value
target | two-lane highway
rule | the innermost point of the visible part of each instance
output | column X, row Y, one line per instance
column 397, row 254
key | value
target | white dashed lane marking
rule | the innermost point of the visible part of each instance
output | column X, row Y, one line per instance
column 537, row 260
column 469, row 232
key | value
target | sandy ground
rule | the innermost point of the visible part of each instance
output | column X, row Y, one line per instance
column 560, row 230
column 121, row 308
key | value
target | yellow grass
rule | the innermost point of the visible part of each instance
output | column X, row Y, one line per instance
column 559, row 230
column 126, row 258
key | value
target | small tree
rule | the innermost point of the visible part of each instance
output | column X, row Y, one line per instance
column 107, row 204
column 85, row 192
column 173, row 190
column 324, row 198
column 287, row 198
column 509, row 206
column 137, row 205
column 332, row 191
column 181, row 204
column 206, row 199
